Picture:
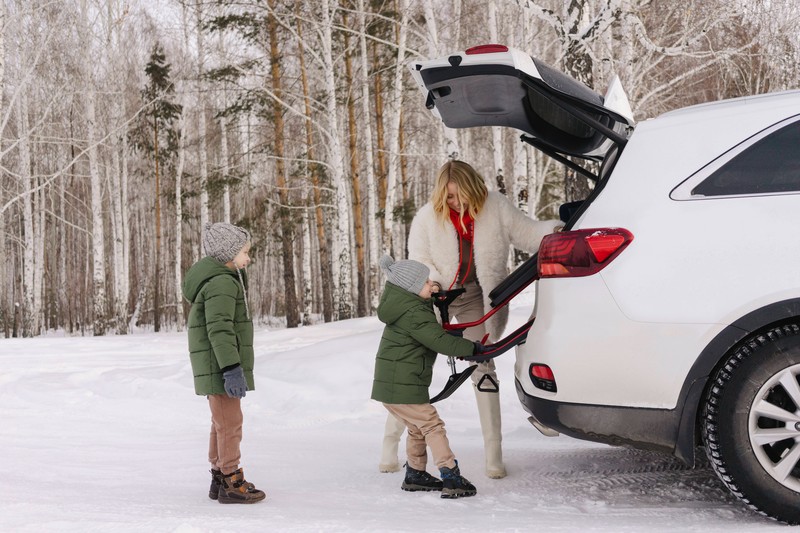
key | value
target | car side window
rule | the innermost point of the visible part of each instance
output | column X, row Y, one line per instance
column 769, row 166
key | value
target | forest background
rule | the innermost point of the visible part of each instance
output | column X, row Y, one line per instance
column 126, row 125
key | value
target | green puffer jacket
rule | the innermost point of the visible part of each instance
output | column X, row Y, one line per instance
column 411, row 339
column 220, row 332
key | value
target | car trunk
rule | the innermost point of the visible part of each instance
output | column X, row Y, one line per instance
column 556, row 113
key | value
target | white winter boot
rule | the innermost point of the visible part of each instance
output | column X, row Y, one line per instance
column 391, row 439
column 489, row 412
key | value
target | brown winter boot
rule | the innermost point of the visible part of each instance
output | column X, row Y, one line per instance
column 234, row 488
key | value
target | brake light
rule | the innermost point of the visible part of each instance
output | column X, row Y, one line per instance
column 582, row 252
column 542, row 377
column 486, row 49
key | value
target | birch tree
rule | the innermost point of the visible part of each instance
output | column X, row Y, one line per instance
column 30, row 289
column 373, row 229
column 313, row 169
column 341, row 238
column 99, row 296
column 5, row 297
column 201, row 117
column 497, row 132
column 392, row 236
column 448, row 141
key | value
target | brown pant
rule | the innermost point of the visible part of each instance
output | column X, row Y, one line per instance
column 424, row 428
column 226, row 432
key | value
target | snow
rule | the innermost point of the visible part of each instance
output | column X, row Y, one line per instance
column 106, row 434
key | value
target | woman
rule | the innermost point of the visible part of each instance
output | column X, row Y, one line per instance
column 463, row 235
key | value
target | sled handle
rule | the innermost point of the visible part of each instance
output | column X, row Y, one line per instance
column 465, row 325
column 443, row 299
column 518, row 336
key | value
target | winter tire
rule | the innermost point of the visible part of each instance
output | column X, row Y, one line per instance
column 751, row 423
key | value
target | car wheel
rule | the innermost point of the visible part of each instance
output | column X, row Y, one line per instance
column 751, row 423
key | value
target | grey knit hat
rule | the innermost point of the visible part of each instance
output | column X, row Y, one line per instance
column 224, row 241
column 407, row 274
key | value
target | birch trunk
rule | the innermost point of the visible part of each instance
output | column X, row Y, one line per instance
column 224, row 168
column 519, row 177
column 112, row 181
column 341, row 240
column 373, row 230
column 325, row 263
column 125, row 278
column 390, row 230
column 5, row 295
column 6, row 300
column 39, row 238
column 497, row 181
column 99, row 319
column 118, row 218
column 98, row 235
column 448, row 140
column 201, row 119
column 308, row 293
column 518, row 190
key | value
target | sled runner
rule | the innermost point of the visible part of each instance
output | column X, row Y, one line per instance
column 515, row 283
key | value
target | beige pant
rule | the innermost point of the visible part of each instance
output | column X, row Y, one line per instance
column 226, row 432
column 425, row 428
column 468, row 308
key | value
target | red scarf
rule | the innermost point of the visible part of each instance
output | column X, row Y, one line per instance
column 469, row 223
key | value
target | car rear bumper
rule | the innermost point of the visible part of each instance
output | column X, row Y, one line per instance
column 648, row 429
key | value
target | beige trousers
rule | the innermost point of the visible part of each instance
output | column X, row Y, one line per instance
column 226, row 432
column 425, row 428
column 468, row 308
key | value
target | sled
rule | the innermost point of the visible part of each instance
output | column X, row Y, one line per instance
column 500, row 296
column 454, row 381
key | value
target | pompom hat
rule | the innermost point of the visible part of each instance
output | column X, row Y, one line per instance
column 407, row 274
column 224, row 241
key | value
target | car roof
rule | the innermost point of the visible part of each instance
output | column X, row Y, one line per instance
column 767, row 100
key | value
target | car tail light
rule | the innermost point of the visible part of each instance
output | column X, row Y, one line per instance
column 543, row 378
column 582, row 252
column 486, row 49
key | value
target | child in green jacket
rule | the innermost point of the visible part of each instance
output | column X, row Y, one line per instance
column 404, row 369
column 221, row 352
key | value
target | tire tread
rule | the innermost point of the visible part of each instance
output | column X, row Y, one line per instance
column 711, row 410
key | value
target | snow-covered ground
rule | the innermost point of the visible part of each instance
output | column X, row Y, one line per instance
column 106, row 434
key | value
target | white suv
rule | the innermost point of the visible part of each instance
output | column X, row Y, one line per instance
column 668, row 310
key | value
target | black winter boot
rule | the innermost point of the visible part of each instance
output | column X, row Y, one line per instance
column 455, row 485
column 234, row 488
column 419, row 480
column 216, row 481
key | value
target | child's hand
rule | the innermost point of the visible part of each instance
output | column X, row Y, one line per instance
column 479, row 353
column 235, row 384
column 456, row 332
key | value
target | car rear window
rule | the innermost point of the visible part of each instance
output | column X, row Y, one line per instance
column 771, row 165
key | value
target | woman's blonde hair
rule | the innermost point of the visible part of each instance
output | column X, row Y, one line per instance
column 471, row 189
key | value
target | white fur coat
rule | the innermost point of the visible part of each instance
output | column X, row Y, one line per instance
column 498, row 225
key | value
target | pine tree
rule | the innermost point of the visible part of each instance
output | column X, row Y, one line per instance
column 158, row 136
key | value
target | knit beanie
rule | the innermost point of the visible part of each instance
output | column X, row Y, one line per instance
column 407, row 274
column 224, row 241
